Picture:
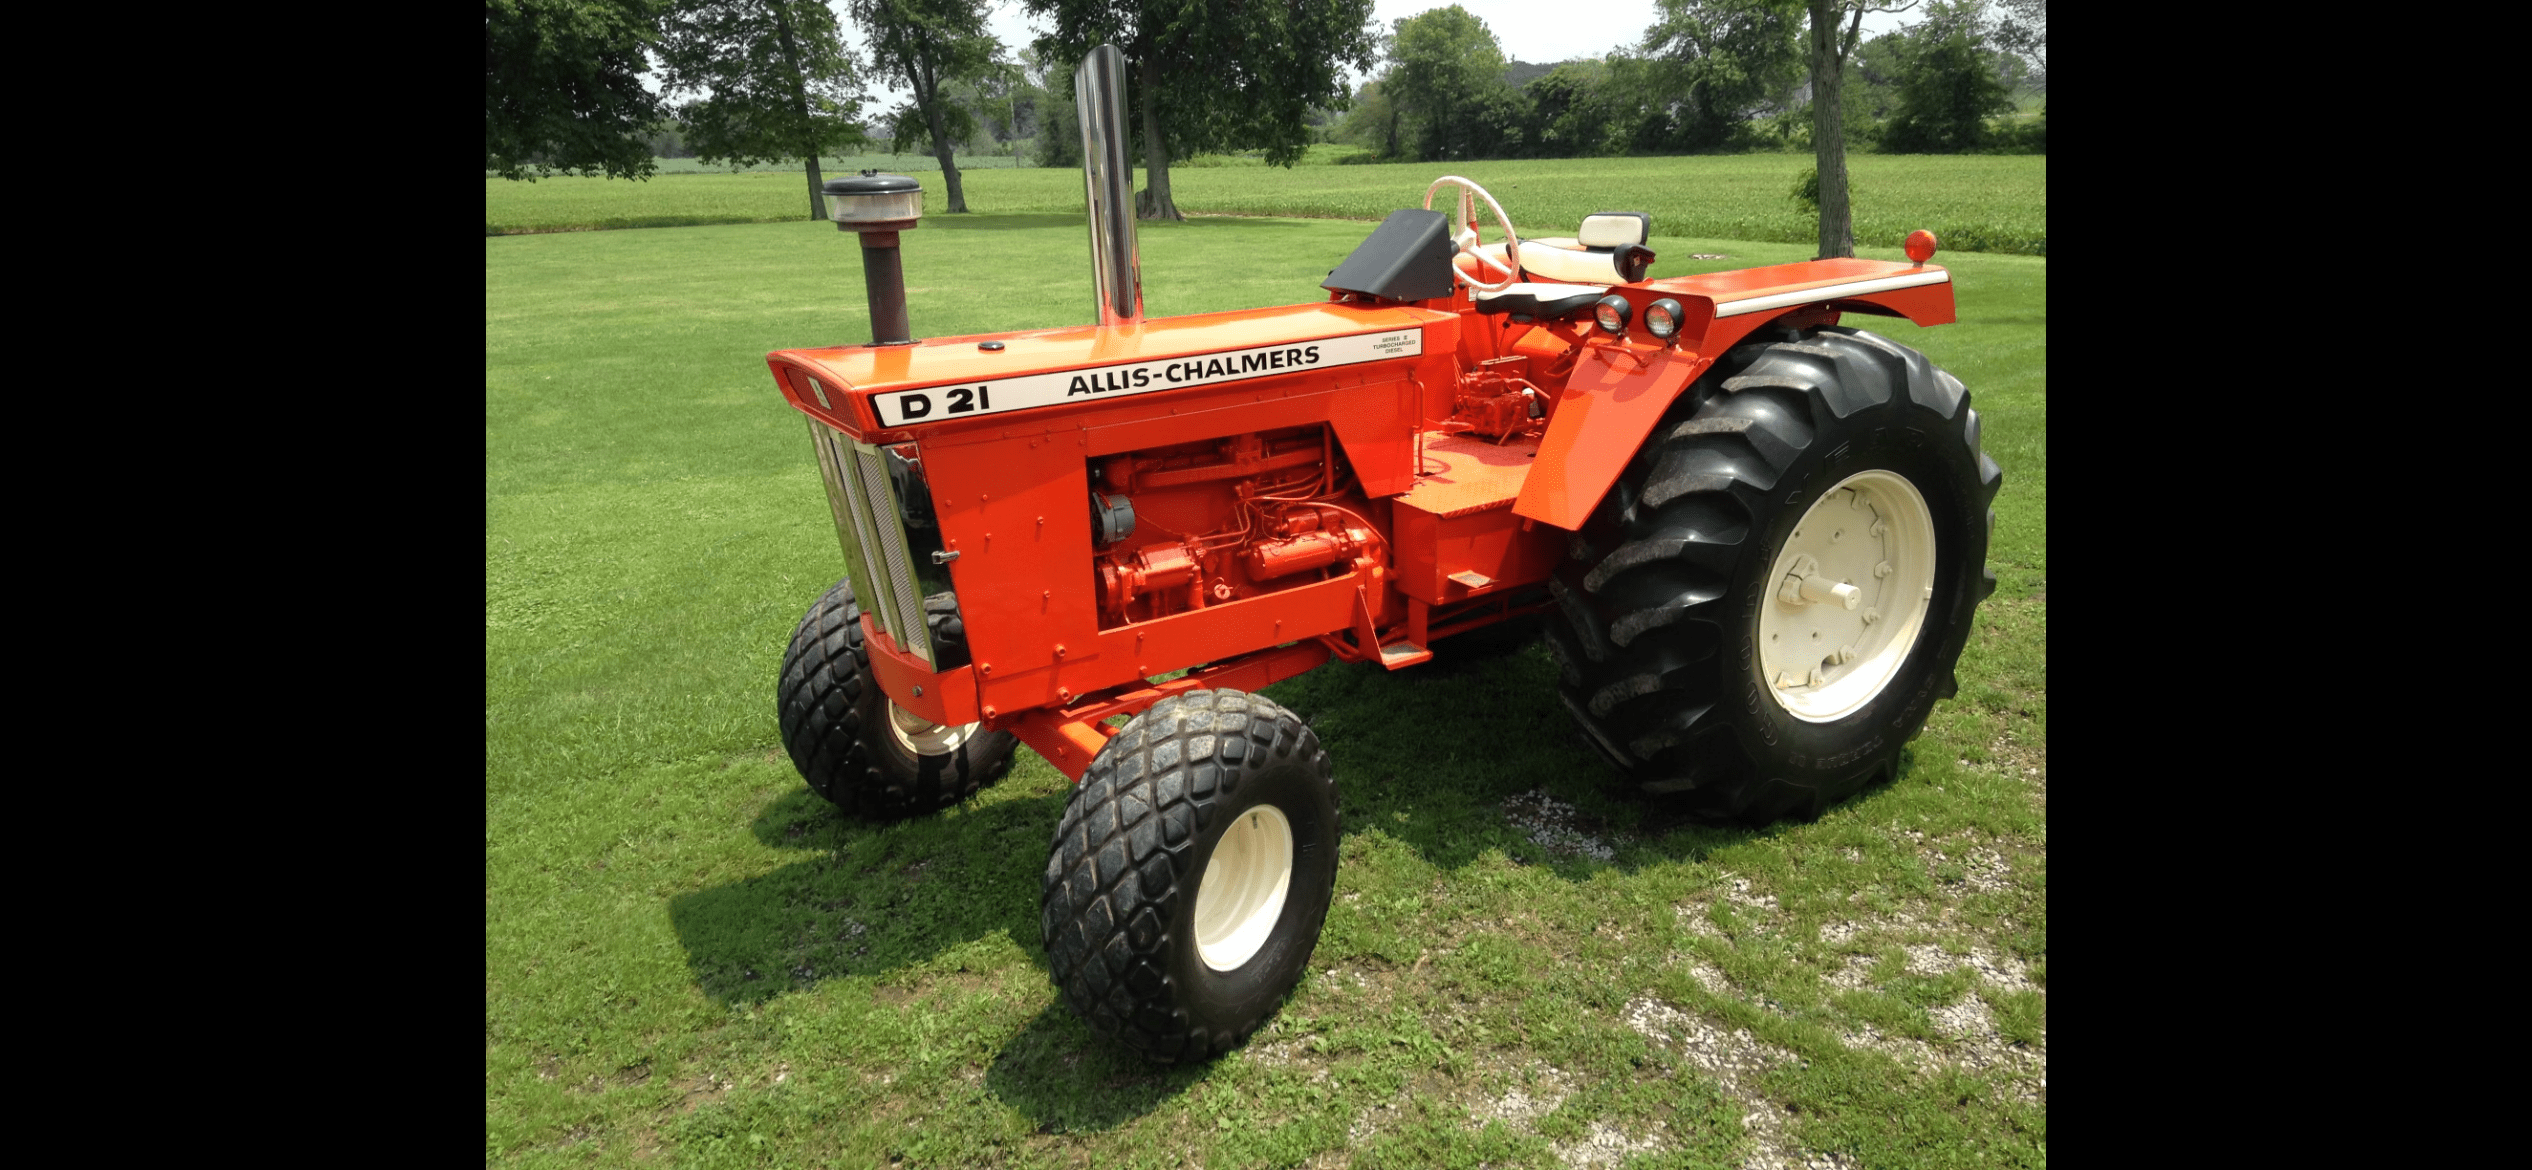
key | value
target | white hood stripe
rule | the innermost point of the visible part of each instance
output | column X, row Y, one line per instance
column 1830, row 292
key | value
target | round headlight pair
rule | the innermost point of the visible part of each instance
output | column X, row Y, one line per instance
column 1661, row 318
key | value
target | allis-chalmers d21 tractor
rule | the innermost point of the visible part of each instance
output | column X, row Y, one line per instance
column 1755, row 536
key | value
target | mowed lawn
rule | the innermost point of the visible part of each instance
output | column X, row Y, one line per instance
column 1984, row 203
column 690, row 960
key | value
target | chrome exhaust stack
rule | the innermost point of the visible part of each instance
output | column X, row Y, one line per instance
column 1107, row 179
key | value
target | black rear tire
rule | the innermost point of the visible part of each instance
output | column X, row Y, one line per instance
column 1146, row 823
column 836, row 725
column 1657, row 622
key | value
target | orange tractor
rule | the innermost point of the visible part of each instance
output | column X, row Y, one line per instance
column 1754, row 536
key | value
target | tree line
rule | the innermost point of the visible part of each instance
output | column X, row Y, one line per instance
column 1707, row 76
column 753, row 81
column 750, row 81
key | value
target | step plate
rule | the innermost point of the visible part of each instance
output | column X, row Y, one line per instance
column 1462, row 475
column 1400, row 654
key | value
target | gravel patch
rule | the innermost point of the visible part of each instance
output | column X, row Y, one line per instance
column 1855, row 976
column 2006, row 971
column 1522, row 1105
column 1840, row 934
column 1607, row 1145
column 1735, row 1059
column 1971, row 1045
column 1554, row 825
column 1983, row 871
column 1740, row 895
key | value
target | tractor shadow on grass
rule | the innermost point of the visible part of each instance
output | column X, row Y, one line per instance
column 871, row 899
column 1471, row 754
column 1455, row 759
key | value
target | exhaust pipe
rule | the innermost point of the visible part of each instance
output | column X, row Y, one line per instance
column 1107, row 179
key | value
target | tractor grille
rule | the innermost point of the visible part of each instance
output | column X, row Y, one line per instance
column 869, row 524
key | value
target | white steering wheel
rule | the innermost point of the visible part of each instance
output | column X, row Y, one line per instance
column 1466, row 240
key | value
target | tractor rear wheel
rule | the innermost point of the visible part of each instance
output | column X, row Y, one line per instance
column 1191, row 873
column 871, row 757
column 1778, row 588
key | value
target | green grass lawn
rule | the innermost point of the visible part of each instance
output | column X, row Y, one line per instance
column 689, row 960
column 1983, row 203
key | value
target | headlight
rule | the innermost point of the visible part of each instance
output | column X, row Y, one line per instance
column 1661, row 318
column 1612, row 313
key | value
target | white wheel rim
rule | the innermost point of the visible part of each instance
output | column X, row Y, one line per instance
column 1873, row 534
column 1242, row 892
column 924, row 737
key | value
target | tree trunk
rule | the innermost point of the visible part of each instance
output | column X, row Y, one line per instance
column 800, row 98
column 930, row 97
column 1828, row 129
column 1154, row 201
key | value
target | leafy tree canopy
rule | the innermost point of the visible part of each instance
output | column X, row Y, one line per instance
column 930, row 46
column 1948, row 87
column 1209, row 75
column 1448, row 75
column 766, row 79
column 563, row 89
column 1724, row 59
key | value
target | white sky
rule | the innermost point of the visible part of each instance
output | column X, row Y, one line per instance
column 1527, row 29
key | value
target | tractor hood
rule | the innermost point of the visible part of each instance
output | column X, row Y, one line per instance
column 864, row 389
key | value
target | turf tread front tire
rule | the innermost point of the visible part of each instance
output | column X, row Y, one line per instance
column 1116, row 902
column 833, row 720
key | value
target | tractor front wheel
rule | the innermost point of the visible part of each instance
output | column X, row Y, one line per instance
column 1191, row 873
column 871, row 757
column 1772, row 597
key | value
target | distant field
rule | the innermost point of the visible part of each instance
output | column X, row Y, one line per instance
column 1976, row 203
column 842, row 163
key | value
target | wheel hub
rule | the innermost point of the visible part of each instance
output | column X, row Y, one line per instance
column 1853, row 584
column 1243, row 889
column 924, row 737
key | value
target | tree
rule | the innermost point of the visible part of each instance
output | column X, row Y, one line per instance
column 1948, row 88
column 1058, row 122
column 1829, row 50
column 1569, row 111
column 1447, row 73
column 563, row 89
column 2023, row 32
column 1722, row 59
column 1374, row 122
column 771, row 78
column 1217, row 74
column 1002, row 102
column 926, row 46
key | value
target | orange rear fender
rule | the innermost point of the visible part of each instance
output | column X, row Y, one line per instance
column 1621, row 386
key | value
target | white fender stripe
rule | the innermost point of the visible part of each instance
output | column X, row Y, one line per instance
column 1830, row 292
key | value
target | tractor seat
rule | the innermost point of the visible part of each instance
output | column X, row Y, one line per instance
column 1541, row 302
column 1607, row 249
